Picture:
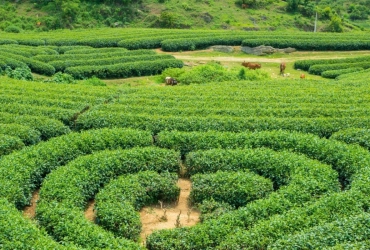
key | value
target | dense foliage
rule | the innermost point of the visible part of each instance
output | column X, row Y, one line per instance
column 236, row 189
column 333, row 68
column 20, row 16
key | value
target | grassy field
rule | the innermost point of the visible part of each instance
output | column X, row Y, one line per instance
column 270, row 63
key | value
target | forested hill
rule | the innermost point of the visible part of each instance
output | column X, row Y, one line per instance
column 43, row 15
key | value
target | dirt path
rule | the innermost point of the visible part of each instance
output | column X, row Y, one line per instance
column 299, row 55
column 89, row 212
column 30, row 211
column 229, row 59
column 156, row 218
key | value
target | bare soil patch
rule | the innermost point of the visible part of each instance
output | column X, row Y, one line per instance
column 170, row 215
column 90, row 212
column 30, row 211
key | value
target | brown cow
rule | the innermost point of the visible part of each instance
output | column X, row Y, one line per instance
column 282, row 68
column 251, row 65
column 302, row 76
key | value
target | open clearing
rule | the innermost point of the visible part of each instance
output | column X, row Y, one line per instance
column 270, row 63
column 169, row 215
column 162, row 216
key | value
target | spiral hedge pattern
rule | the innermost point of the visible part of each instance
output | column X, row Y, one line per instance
column 273, row 165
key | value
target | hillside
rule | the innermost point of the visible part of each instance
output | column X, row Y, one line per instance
column 338, row 16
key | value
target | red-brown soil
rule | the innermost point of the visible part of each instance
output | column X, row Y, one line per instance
column 30, row 211
column 152, row 216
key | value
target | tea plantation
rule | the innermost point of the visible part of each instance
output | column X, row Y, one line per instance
column 285, row 164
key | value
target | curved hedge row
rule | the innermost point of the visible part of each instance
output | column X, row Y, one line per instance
column 306, row 64
column 50, row 58
column 343, row 158
column 324, row 127
column 27, row 134
column 325, row 210
column 29, row 51
column 9, row 143
column 124, row 70
column 31, row 42
column 152, row 41
column 57, row 95
column 90, row 50
column 37, row 161
column 100, row 42
column 48, row 127
column 8, row 41
column 64, row 115
column 201, row 43
column 335, row 73
column 117, row 202
column 143, row 106
column 317, row 69
column 34, row 65
column 18, row 233
column 64, row 49
column 357, row 76
column 352, row 229
column 10, row 62
column 63, row 64
column 91, row 236
column 279, row 167
column 354, row 136
column 141, row 43
column 310, row 43
column 69, row 188
column 15, row 51
column 66, row 103
column 362, row 245
column 234, row 188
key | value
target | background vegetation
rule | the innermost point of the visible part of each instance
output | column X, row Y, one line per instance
column 338, row 16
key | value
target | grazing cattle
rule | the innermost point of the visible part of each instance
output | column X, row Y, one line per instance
column 282, row 68
column 251, row 65
column 170, row 81
column 302, row 76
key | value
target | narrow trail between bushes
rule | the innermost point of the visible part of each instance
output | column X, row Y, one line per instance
column 169, row 215
column 30, row 211
column 90, row 212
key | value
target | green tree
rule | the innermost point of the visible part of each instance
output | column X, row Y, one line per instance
column 293, row 5
column 308, row 8
column 167, row 19
column 69, row 10
column 336, row 24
